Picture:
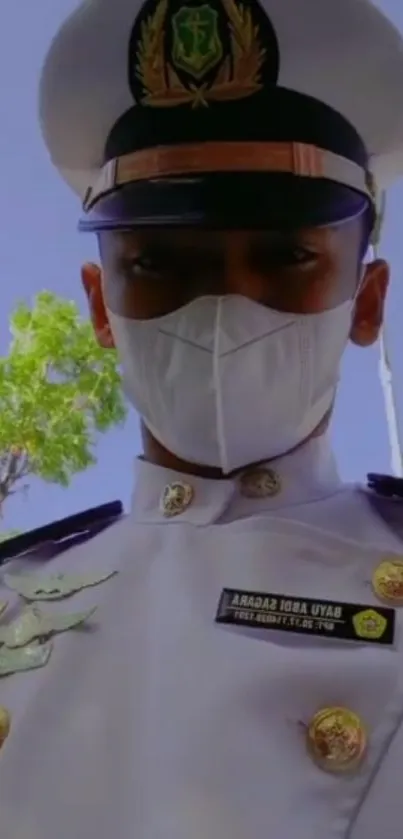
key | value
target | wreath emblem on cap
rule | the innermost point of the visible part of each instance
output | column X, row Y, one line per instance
column 196, row 50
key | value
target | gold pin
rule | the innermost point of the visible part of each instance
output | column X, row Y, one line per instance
column 336, row 740
column 261, row 482
column 176, row 498
column 387, row 581
column 5, row 724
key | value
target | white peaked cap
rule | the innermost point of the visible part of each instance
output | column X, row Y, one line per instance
column 151, row 110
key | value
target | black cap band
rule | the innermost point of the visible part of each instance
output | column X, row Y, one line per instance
column 231, row 199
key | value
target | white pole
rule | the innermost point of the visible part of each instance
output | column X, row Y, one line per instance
column 386, row 379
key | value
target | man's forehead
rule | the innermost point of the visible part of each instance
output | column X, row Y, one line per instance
column 185, row 238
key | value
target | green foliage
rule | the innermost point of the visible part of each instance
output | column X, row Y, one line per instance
column 9, row 534
column 58, row 389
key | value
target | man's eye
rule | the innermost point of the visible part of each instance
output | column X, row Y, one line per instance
column 140, row 266
column 286, row 257
column 295, row 256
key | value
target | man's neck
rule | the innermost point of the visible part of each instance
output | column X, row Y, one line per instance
column 154, row 452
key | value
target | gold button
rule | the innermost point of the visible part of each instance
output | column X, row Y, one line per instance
column 387, row 581
column 5, row 724
column 337, row 740
column 176, row 498
column 260, row 483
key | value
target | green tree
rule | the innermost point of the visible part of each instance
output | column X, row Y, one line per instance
column 58, row 391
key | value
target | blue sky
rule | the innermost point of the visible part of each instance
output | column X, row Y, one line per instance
column 40, row 248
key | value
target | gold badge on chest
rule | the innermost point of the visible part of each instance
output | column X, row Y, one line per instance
column 336, row 740
column 387, row 581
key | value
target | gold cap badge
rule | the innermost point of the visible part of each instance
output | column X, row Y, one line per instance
column 199, row 54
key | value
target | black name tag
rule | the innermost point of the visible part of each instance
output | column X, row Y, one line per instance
column 326, row 618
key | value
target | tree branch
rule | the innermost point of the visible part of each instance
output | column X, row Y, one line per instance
column 14, row 465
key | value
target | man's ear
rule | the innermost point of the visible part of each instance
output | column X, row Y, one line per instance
column 370, row 304
column 91, row 279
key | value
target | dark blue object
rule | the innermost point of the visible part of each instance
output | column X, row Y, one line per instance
column 50, row 540
column 386, row 485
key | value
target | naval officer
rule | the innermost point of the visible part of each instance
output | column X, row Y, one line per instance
column 225, row 661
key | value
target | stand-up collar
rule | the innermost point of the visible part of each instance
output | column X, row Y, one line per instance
column 165, row 496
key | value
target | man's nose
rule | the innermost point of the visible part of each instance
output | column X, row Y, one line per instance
column 239, row 276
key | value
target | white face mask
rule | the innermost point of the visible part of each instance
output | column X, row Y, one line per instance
column 226, row 382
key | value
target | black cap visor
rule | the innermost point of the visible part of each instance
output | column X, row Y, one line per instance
column 226, row 201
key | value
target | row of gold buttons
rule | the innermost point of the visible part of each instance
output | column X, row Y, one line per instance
column 5, row 724
column 336, row 738
column 258, row 483
column 387, row 580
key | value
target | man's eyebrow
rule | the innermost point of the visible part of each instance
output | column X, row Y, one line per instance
column 170, row 248
column 285, row 237
column 150, row 246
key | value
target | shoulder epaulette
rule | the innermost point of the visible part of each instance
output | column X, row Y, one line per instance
column 385, row 485
column 60, row 535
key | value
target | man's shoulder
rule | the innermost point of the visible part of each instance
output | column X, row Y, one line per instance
column 385, row 496
column 56, row 537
